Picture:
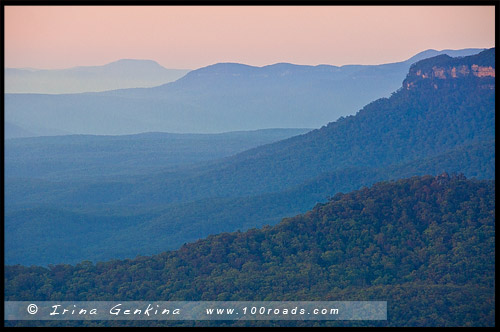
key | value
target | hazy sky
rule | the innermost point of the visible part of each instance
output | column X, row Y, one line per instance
column 192, row 37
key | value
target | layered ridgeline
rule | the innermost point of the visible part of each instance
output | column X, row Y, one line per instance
column 95, row 156
column 121, row 74
column 426, row 245
column 437, row 121
column 218, row 98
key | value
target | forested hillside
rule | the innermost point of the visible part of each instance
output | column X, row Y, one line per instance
column 424, row 244
column 73, row 157
column 441, row 119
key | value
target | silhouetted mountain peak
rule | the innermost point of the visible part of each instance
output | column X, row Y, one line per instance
column 453, row 53
column 134, row 62
column 223, row 68
column 120, row 74
column 134, row 65
column 275, row 70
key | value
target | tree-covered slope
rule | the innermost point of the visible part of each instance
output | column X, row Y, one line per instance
column 128, row 232
column 418, row 122
column 442, row 119
column 425, row 245
column 72, row 157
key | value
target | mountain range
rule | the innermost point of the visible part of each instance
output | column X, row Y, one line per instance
column 441, row 119
column 219, row 98
column 121, row 74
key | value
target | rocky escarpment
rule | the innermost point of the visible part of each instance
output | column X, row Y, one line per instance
column 442, row 70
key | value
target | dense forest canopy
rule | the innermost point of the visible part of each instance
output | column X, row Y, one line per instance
column 425, row 244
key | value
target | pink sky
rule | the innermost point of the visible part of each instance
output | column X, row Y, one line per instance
column 192, row 37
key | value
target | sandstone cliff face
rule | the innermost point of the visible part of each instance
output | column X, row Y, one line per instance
column 480, row 71
column 456, row 72
column 447, row 68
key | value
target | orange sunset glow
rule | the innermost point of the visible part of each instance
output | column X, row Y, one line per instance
column 191, row 37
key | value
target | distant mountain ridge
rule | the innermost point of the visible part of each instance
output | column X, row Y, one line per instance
column 431, row 53
column 120, row 74
column 218, row 98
